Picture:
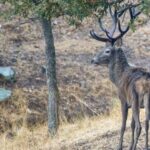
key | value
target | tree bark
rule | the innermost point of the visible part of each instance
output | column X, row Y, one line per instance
column 53, row 98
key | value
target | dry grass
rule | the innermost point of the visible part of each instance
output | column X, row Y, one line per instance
column 69, row 135
column 13, row 112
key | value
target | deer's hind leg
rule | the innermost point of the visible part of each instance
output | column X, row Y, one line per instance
column 136, row 113
column 147, row 114
column 132, row 128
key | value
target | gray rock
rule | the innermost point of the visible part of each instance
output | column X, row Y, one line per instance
column 4, row 94
column 7, row 73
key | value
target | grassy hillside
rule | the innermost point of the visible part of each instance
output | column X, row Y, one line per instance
column 84, row 88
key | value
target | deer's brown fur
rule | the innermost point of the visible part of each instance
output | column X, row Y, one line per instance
column 140, row 84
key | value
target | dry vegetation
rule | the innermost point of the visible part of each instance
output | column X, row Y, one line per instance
column 85, row 89
column 96, row 133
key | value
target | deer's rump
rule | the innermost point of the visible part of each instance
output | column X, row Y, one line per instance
column 135, row 86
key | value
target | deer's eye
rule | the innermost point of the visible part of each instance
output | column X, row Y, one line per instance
column 108, row 51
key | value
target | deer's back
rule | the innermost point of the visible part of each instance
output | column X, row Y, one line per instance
column 135, row 82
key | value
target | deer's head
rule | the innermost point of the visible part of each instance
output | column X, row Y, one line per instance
column 105, row 55
column 112, row 42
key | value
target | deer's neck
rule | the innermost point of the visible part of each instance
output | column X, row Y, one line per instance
column 118, row 64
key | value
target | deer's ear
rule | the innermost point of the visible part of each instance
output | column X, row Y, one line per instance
column 119, row 42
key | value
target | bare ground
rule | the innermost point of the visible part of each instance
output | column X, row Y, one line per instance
column 106, row 141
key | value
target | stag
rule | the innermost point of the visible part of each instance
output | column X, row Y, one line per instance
column 133, row 83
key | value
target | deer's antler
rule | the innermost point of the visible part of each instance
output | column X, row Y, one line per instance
column 115, row 15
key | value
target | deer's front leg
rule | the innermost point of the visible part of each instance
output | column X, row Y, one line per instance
column 124, row 110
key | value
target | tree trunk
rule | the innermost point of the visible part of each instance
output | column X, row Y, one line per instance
column 53, row 98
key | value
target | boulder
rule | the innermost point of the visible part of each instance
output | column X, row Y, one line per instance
column 4, row 94
column 7, row 73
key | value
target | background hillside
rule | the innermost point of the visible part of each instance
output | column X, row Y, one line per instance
column 89, row 107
